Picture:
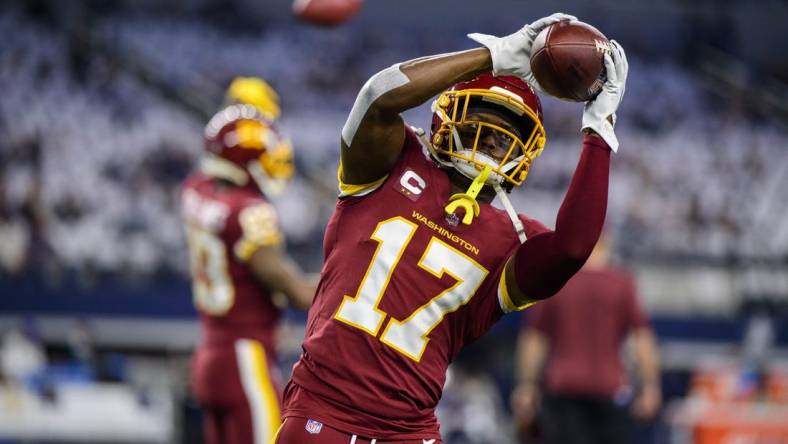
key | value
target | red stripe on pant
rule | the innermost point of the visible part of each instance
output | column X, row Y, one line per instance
column 305, row 431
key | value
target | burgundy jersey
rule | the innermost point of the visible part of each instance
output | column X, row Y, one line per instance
column 225, row 225
column 403, row 288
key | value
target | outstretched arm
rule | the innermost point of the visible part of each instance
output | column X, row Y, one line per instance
column 544, row 263
column 374, row 132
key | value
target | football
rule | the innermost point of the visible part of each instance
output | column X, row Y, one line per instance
column 326, row 12
column 567, row 60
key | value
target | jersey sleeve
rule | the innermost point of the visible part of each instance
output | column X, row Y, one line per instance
column 259, row 228
column 532, row 228
column 494, row 300
column 346, row 190
column 411, row 147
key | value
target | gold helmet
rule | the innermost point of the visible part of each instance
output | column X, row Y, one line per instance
column 256, row 92
column 239, row 137
column 455, row 135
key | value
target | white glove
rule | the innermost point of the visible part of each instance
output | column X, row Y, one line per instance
column 511, row 55
column 599, row 114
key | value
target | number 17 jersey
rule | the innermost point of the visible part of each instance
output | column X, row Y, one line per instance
column 403, row 288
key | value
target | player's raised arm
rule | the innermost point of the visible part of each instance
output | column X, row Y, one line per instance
column 374, row 132
column 544, row 263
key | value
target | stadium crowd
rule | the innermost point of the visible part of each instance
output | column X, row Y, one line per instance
column 93, row 152
column 102, row 119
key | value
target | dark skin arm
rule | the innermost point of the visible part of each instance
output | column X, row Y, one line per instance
column 273, row 268
column 646, row 404
column 532, row 349
column 378, row 141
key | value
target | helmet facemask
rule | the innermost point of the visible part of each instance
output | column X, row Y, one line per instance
column 273, row 169
column 456, row 139
column 241, row 136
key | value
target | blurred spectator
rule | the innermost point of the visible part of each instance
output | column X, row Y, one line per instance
column 756, row 355
column 80, row 340
column 22, row 358
column 14, row 235
column 574, row 338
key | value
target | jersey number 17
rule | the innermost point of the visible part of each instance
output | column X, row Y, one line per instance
column 411, row 335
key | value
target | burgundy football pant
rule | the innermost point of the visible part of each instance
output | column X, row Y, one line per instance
column 237, row 393
column 304, row 431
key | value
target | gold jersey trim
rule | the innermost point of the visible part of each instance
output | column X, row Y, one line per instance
column 357, row 190
column 505, row 300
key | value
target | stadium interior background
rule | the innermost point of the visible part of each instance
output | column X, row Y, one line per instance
column 101, row 116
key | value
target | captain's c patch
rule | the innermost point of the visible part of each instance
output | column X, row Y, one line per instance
column 411, row 185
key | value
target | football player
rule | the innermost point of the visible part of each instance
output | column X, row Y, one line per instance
column 417, row 262
column 238, row 265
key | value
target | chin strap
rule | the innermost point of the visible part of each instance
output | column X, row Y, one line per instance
column 518, row 224
column 467, row 200
column 215, row 166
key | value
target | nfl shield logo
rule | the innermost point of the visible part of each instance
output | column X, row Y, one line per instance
column 313, row 426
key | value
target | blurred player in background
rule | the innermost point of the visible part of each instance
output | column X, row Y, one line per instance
column 415, row 266
column 238, row 265
column 575, row 339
